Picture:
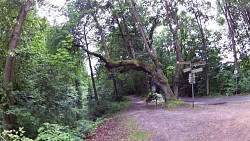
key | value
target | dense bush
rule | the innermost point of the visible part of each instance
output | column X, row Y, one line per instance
column 55, row 132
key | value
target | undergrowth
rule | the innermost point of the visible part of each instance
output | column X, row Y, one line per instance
column 175, row 103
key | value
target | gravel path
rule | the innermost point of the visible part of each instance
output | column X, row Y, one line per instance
column 226, row 122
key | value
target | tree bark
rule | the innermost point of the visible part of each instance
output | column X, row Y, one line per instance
column 157, row 74
column 9, row 120
column 90, row 65
column 93, row 81
column 115, row 88
column 172, row 19
column 132, row 50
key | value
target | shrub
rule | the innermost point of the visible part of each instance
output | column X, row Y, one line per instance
column 175, row 103
column 84, row 127
column 55, row 132
column 14, row 135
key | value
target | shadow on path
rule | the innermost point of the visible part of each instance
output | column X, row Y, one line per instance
column 139, row 104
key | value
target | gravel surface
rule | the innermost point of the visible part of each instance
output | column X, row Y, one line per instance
column 225, row 122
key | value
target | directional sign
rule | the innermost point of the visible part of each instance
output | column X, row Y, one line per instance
column 197, row 70
column 186, row 70
column 183, row 62
column 199, row 63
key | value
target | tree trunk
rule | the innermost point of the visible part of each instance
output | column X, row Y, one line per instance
column 232, row 34
column 158, row 76
column 115, row 89
column 178, row 59
column 130, row 45
column 9, row 120
column 144, row 81
column 172, row 19
column 93, row 81
column 228, row 16
column 90, row 65
column 155, row 71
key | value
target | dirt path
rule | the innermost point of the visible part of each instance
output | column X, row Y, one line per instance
column 227, row 122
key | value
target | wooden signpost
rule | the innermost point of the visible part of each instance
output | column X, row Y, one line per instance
column 192, row 73
column 197, row 70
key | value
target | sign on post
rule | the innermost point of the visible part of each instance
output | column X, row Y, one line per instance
column 186, row 69
column 199, row 63
column 197, row 70
column 191, row 78
column 183, row 62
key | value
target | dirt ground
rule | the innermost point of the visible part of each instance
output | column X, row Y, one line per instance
column 225, row 122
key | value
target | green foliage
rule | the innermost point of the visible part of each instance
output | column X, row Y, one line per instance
column 227, row 84
column 51, row 85
column 85, row 127
column 124, row 104
column 107, row 106
column 244, row 81
column 55, row 132
column 14, row 135
column 175, row 103
column 221, row 20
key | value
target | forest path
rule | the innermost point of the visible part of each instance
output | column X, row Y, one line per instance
column 227, row 122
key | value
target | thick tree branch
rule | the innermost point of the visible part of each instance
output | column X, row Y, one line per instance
column 111, row 64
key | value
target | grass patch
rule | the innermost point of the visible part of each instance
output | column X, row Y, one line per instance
column 134, row 134
column 175, row 103
column 121, row 105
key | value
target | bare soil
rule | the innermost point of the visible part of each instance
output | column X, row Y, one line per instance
column 224, row 122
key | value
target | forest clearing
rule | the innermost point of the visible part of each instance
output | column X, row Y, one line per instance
column 67, row 66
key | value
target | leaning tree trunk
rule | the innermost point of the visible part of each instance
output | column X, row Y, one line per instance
column 9, row 120
column 158, row 75
column 156, row 72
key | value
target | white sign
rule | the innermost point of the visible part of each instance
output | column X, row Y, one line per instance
column 186, row 70
column 235, row 71
column 191, row 78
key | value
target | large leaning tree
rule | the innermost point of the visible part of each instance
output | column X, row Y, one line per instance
column 133, row 24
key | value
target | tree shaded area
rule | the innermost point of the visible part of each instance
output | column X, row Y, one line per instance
column 46, row 88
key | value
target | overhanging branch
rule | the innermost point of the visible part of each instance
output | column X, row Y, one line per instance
column 111, row 64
